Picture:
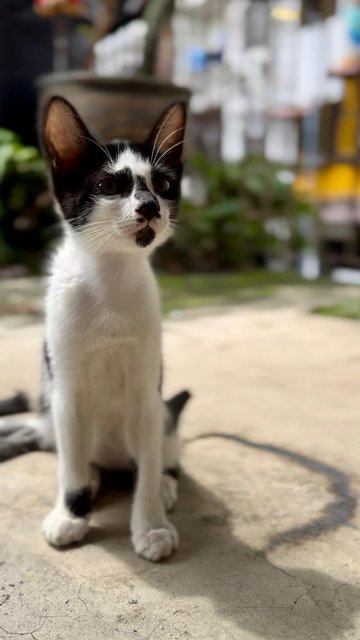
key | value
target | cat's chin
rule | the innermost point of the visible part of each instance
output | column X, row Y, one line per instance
column 144, row 237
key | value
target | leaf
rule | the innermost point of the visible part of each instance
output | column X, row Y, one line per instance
column 8, row 137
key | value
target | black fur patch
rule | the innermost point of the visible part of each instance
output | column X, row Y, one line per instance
column 174, row 472
column 125, row 182
column 76, row 189
column 175, row 406
column 79, row 502
column 141, row 185
column 48, row 361
column 173, row 175
column 145, row 236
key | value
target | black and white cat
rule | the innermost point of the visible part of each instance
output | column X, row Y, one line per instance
column 102, row 358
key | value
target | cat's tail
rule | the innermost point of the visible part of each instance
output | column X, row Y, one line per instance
column 18, row 437
column 175, row 406
column 21, row 434
column 27, row 433
column 18, row 403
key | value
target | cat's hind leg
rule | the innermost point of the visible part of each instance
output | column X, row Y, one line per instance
column 169, row 490
column 171, row 448
column 95, row 481
column 170, row 471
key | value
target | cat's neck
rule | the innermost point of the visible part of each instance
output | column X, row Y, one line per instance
column 111, row 273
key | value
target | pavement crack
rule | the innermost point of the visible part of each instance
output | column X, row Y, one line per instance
column 302, row 595
column 22, row 633
column 94, row 613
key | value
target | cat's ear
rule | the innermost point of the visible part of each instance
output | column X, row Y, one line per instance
column 65, row 138
column 166, row 139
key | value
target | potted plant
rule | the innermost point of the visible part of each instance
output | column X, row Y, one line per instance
column 119, row 106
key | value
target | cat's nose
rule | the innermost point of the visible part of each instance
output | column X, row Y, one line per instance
column 149, row 209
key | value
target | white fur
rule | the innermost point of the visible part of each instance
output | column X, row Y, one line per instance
column 103, row 332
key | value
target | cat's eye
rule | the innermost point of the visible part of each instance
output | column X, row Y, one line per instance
column 161, row 184
column 109, row 186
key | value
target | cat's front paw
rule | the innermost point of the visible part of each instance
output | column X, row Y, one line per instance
column 156, row 543
column 61, row 529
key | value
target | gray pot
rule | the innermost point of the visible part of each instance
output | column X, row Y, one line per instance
column 113, row 107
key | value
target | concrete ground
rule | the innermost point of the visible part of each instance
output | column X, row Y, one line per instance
column 268, row 511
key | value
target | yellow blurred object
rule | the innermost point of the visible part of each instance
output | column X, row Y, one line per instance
column 346, row 141
column 338, row 181
column 285, row 14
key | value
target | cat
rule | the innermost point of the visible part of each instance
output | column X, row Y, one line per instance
column 101, row 404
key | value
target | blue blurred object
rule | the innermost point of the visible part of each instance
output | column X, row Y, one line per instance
column 352, row 17
column 198, row 59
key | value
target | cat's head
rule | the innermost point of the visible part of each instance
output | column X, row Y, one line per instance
column 118, row 197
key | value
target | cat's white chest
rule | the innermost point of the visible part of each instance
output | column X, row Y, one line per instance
column 105, row 336
column 108, row 384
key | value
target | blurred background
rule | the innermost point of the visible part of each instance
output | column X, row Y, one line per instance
column 271, row 190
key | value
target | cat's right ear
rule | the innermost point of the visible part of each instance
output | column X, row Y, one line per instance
column 64, row 137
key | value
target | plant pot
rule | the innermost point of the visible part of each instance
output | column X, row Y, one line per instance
column 113, row 107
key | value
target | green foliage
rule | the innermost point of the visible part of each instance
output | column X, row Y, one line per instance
column 251, row 215
column 349, row 309
column 26, row 218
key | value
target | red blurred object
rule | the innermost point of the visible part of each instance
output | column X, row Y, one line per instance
column 48, row 8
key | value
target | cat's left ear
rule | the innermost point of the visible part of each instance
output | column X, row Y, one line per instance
column 166, row 139
column 66, row 140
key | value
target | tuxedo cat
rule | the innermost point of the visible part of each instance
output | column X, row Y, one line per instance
column 101, row 399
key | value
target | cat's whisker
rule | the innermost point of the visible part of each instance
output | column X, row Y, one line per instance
column 103, row 149
column 159, row 131
column 99, row 223
column 80, row 216
column 90, row 239
column 103, row 241
column 96, row 231
column 96, row 225
column 168, row 151
column 85, row 231
column 129, row 225
column 92, row 243
column 92, row 246
column 167, row 137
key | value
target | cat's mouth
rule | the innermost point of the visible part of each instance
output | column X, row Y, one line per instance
column 145, row 236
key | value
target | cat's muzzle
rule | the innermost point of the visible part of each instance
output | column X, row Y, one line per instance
column 145, row 236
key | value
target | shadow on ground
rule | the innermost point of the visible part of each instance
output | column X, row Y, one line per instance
column 247, row 591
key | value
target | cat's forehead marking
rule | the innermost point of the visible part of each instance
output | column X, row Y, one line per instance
column 131, row 160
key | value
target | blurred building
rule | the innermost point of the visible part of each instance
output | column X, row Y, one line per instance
column 284, row 77
column 278, row 78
